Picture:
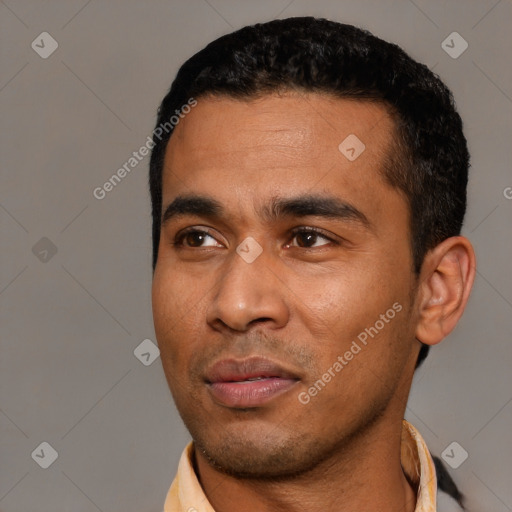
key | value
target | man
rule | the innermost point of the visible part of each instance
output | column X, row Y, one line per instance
column 306, row 219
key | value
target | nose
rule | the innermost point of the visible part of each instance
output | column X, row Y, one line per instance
column 247, row 294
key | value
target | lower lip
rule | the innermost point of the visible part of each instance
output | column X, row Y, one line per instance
column 249, row 393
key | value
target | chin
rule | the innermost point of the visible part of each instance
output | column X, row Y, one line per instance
column 261, row 456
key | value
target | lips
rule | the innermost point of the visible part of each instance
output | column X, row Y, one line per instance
column 247, row 383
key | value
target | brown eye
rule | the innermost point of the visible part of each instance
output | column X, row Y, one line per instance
column 306, row 237
column 194, row 238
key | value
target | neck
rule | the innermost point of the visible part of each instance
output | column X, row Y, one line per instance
column 364, row 475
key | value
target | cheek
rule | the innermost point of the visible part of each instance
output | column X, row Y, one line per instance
column 171, row 315
column 162, row 303
column 358, row 378
column 344, row 303
column 365, row 308
column 173, row 298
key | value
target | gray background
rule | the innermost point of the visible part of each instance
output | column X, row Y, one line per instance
column 70, row 321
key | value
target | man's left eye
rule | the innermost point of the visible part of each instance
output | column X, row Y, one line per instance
column 307, row 236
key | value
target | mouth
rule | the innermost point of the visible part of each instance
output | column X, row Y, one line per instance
column 247, row 383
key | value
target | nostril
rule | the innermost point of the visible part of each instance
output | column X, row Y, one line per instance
column 258, row 320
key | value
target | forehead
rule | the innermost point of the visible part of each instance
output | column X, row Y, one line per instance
column 246, row 150
column 293, row 125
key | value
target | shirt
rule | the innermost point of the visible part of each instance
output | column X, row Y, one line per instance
column 187, row 495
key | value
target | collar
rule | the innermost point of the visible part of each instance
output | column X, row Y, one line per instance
column 187, row 495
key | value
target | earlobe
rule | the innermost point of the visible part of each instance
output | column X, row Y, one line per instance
column 446, row 280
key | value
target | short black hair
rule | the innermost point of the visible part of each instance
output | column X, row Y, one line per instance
column 429, row 161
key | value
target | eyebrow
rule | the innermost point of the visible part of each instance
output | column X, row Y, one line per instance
column 279, row 207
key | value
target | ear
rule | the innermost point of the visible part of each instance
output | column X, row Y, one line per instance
column 446, row 279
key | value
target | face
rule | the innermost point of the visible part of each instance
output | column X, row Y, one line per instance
column 282, row 292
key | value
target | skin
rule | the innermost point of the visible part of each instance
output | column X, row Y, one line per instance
column 301, row 303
